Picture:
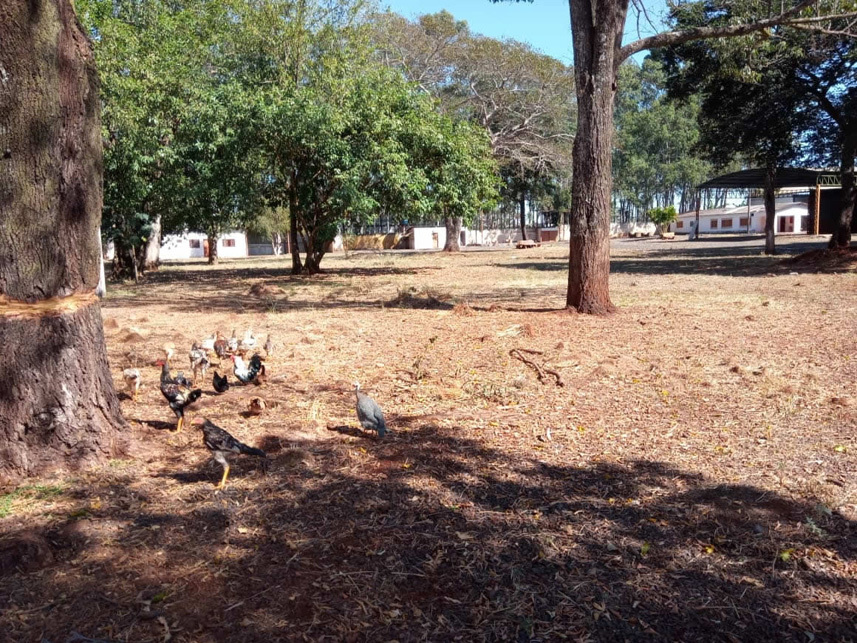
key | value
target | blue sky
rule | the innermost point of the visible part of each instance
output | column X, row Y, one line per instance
column 545, row 24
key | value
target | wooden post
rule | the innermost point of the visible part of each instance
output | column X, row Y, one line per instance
column 817, row 213
column 749, row 193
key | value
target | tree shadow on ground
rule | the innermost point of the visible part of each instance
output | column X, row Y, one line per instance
column 692, row 259
column 432, row 536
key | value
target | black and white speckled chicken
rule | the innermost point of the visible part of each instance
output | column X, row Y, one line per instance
column 369, row 413
column 220, row 442
column 248, row 373
column 177, row 391
column 220, row 384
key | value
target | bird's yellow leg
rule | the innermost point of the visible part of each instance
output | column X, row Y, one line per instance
column 223, row 479
column 179, row 424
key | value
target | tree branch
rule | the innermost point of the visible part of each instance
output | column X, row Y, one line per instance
column 670, row 38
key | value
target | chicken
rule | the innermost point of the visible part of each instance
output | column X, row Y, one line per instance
column 198, row 360
column 221, row 384
column 269, row 346
column 247, row 374
column 248, row 343
column 132, row 379
column 177, row 392
column 256, row 406
column 369, row 413
column 208, row 343
column 221, row 347
column 232, row 342
column 219, row 442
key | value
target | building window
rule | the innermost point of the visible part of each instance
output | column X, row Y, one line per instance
column 229, row 243
column 194, row 243
column 726, row 223
column 744, row 222
column 714, row 224
column 679, row 224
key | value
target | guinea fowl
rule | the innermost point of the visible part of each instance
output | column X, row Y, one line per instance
column 247, row 374
column 177, row 391
column 221, row 384
column 269, row 346
column 219, row 442
column 369, row 413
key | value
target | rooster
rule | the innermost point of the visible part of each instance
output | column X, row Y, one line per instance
column 177, row 391
column 221, row 384
column 219, row 442
column 247, row 374
column 198, row 360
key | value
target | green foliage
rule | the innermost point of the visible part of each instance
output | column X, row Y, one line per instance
column 663, row 216
column 655, row 160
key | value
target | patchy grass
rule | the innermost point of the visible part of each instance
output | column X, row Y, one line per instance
column 692, row 479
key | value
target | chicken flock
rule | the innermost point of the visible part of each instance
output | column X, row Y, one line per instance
column 179, row 392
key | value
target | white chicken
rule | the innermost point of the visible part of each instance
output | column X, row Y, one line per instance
column 248, row 343
column 132, row 379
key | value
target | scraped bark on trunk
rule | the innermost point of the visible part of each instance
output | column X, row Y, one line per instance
column 58, row 406
column 770, row 208
column 597, row 33
column 453, row 234
column 841, row 237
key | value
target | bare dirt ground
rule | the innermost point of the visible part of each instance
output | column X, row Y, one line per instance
column 692, row 480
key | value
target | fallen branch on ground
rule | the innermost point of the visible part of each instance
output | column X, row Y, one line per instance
column 540, row 370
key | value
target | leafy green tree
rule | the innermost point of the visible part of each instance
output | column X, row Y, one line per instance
column 153, row 58
column 662, row 217
column 521, row 97
column 215, row 173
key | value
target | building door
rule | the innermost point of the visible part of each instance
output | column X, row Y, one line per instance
column 434, row 240
column 786, row 224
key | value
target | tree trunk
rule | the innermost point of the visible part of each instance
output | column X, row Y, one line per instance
column 841, row 237
column 152, row 251
column 277, row 243
column 453, row 234
column 522, row 203
column 770, row 208
column 132, row 255
column 58, row 406
column 596, row 44
column 297, row 266
column 212, row 248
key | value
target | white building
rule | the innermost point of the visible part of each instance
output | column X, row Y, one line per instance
column 195, row 245
column 792, row 218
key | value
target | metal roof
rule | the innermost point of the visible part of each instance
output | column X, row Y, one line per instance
column 787, row 177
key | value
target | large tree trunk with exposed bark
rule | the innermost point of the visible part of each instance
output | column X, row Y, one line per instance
column 213, row 238
column 58, row 406
column 522, row 205
column 453, row 234
column 596, row 35
column 841, row 237
column 770, row 208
